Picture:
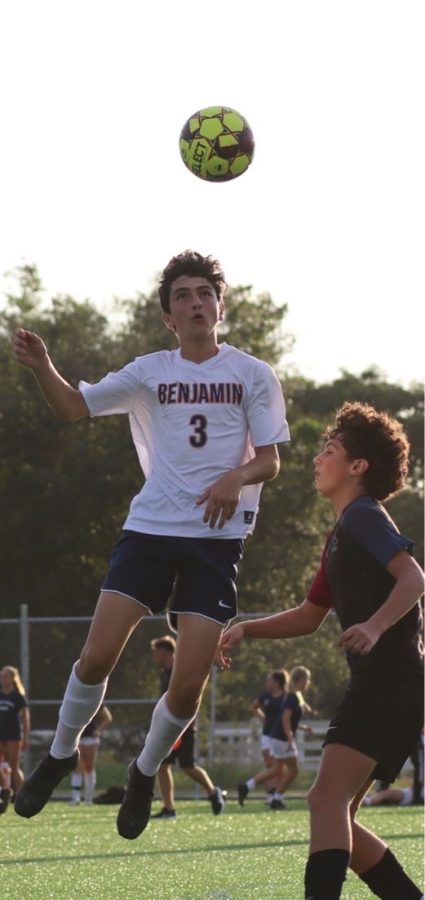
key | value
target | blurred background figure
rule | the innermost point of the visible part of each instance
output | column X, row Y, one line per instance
column 410, row 796
column 14, row 723
column 284, row 747
column 284, row 763
column 183, row 751
column 266, row 708
column 89, row 748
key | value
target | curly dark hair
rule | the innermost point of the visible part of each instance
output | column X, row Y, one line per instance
column 194, row 264
column 376, row 436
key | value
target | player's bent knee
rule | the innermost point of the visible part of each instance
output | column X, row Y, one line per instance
column 93, row 666
column 316, row 798
column 186, row 695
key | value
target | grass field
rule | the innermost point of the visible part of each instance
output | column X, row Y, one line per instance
column 74, row 852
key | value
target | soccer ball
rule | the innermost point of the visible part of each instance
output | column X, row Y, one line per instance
column 217, row 144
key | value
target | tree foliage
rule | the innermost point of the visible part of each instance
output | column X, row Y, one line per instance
column 65, row 489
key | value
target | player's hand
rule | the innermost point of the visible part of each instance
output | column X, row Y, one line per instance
column 221, row 499
column 28, row 348
column 229, row 639
column 360, row 638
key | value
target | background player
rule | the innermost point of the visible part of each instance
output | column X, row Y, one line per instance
column 15, row 722
column 89, row 748
column 205, row 420
column 369, row 577
column 183, row 752
column 267, row 707
column 283, row 734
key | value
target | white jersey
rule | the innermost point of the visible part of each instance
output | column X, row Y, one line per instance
column 191, row 423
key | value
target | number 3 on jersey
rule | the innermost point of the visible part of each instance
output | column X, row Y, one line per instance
column 199, row 437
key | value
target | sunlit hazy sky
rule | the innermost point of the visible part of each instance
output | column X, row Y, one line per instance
column 329, row 218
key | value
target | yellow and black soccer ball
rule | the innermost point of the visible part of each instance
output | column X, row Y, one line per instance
column 217, row 144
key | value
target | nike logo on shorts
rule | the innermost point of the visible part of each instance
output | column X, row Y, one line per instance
column 224, row 605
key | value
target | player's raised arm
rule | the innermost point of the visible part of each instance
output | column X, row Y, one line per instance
column 67, row 402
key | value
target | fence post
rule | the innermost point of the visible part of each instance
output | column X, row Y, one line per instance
column 24, row 646
column 213, row 713
column 25, row 669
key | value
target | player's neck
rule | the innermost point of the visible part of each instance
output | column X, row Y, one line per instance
column 344, row 496
column 199, row 351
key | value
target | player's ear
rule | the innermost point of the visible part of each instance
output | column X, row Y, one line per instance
column 168, row 321
column 360, row 466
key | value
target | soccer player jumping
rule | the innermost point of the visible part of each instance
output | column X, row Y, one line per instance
column 205, row 420
column 370, row 579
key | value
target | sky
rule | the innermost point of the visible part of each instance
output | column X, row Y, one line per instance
column 329, row 218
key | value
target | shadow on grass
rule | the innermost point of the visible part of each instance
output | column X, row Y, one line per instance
column 214, row 848
column 184, row 850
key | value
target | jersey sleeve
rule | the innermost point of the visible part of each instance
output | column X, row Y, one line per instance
column 266, row 409
column 290, row 702
column 370, row 526
column 21, row 702
column 320, row 591
column 115, row 393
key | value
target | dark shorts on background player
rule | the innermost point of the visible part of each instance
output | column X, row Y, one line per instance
column 184, row 754
column 199, row 573
column 381, row 716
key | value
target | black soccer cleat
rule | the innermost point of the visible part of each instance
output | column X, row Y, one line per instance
column 135, row 810
column 218, row 801
column 37, row 789
column 277, row 804
column 165, row 814
column 242, row 793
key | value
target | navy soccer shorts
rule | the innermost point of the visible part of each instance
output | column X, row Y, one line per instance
column 381, row 715
column 184, row 750
column 190, row 575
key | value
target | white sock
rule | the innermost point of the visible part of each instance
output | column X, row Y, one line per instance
column 251, row 784
column 277, row 796
column 80, row 703
column 76, row 782
column 89, row 786
column 164, row 731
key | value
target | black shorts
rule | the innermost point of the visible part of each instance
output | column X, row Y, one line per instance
column 199, row 574
column 381, row 716
column 185, row 751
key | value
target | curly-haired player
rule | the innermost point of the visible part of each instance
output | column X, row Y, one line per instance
column 370, row 579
